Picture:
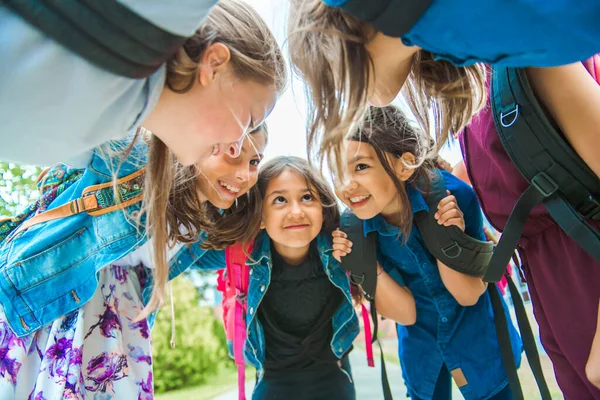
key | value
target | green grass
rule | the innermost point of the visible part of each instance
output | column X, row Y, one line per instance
column 215, row 386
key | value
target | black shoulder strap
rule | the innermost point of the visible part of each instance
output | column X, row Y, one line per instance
column 449, row 244
column 529, row 343
column 392, row 17
column 558, row 177
column 106, row 33
column 362, row 261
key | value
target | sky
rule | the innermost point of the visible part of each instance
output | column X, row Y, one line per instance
column 287, row 122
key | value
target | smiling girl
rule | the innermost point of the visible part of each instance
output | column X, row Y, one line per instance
column 301, row 321
column 84, row 333
column 454, row 334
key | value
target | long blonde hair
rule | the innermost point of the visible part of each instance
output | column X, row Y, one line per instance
column 170, row 200
column 327, row 49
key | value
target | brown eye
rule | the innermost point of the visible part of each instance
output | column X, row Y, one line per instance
column 307, row 197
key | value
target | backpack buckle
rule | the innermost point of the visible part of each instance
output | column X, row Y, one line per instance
column 544, row 184
column 590, row 209
column 241, row 298
column 514, row 114
column 452, row 251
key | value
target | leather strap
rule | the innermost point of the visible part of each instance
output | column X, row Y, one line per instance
column 88, row 203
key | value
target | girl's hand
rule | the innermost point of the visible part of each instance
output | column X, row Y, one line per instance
column 341, row 245
column 448, row 213
column 443, row 164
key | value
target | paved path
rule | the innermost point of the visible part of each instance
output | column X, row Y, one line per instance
column 367, row 380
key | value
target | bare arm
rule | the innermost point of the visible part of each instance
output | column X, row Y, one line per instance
column 464, row 288
column 572, row 97
column 592, row 368
column 394, row 301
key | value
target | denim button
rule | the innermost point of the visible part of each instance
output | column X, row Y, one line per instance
column 444, row 319
column 251, row 310
column 262, row 288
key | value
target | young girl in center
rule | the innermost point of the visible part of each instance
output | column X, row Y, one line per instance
column 301, row 320
column 454, row 335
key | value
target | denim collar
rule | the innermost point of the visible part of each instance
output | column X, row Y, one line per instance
column 380, row 225
column 262, row 247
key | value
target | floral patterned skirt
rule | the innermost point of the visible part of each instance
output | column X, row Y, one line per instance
column 95, row 352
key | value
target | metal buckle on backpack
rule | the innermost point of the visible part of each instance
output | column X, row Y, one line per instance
column 452, row 251
column 514, row 113
column 544, row 184
column 590, row 209
column 242, row 298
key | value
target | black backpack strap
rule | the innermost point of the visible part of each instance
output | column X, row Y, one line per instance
column 504, row 341
column 385, row 383
column 392, row 17
column 362, row 261
column 529, row 344
column 449, row 244
column 558, row 177
column 362, row 265
column 106, row 33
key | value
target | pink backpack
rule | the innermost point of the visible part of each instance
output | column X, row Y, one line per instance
column 233, row 282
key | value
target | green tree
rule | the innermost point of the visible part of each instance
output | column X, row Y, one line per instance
column 17, row 187
column 200, row 348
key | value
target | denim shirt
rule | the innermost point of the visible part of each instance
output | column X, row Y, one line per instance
column 445, row 332
column 518, row 33
column 345, row 321
column 50, row 269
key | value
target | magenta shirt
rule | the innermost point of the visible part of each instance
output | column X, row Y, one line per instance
column 563, row 279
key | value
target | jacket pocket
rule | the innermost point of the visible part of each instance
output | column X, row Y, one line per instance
column 25, row 273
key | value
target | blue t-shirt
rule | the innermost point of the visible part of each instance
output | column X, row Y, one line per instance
column 445, row 332
column 516, row 33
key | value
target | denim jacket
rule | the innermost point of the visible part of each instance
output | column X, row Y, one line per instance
column 345, row 321
column 50, row 269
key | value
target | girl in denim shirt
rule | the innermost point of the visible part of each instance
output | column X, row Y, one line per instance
column 300, row 321
column 454, row 334
column 97, row 340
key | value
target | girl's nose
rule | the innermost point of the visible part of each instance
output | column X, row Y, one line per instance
column 296, row 211
column 234, row 149
column 350, row 186
column 242, row 174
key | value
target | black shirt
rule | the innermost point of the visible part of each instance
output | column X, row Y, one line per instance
column 296, row 314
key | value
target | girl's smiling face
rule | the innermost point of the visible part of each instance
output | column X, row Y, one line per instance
column 222, row 178
column 370, row 191
column 292, row 214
